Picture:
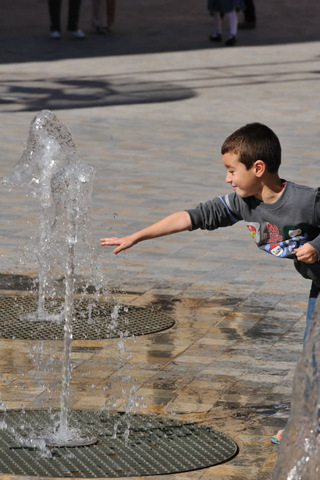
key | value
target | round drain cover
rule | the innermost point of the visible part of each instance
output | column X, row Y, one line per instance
column 128, row 445
column 92, row 320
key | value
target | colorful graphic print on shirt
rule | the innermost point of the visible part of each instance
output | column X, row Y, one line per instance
column 273, row 241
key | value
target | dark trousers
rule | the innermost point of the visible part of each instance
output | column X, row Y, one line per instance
column 55, row 14
column 250, row 11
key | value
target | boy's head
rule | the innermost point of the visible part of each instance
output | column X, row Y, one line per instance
column 253, row 142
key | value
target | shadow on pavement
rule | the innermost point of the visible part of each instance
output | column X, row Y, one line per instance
column 86, row 92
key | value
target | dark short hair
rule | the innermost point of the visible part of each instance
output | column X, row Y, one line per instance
column 253, row 142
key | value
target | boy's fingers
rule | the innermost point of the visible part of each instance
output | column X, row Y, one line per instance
column 121, row 247
column 114, row 241
column 109, row 241
column 121, row 243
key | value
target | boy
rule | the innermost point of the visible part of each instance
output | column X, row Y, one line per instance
column 282, row 217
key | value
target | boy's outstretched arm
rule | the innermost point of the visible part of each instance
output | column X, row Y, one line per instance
column 174, row 223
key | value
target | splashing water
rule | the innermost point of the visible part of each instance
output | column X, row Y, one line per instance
column 299, row 456
column 50, row 170
column 127, row 388
column 49, row 147
column 71, row 188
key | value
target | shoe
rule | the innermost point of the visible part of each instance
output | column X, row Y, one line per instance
column 55, row 34
column 276, row 439
column 247, row 25
column 231, row 41
column 77, row 34
column 215, row 37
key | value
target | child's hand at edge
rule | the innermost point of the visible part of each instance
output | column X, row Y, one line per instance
column 307, row 253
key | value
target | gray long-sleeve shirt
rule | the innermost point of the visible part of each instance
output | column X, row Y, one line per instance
column 277, row 228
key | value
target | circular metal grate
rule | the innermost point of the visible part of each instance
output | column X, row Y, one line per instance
column 94, row 321
column 154, row 446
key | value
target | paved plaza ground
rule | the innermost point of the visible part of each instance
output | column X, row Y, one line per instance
column 148, row 106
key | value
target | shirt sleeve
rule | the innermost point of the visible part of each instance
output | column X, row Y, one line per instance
column 214, row 214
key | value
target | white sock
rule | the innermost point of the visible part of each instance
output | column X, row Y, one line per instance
column 233, row 23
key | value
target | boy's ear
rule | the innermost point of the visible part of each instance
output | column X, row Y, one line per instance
column 260, row 167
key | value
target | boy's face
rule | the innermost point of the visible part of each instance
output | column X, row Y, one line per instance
column 244, row 182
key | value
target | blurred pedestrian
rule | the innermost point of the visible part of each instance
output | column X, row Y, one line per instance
column 218, row 9
column 73, row 18
column 250, row 18
column 103, row 21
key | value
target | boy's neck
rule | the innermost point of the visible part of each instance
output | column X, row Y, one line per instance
column 271, row 188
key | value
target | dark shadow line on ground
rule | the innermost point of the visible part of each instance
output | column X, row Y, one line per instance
column 158, row 92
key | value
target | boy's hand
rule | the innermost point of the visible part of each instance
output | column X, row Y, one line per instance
column 307, row 253
column 124, row 243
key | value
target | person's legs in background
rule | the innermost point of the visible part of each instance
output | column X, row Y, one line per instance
column 73, row 19
column 233, row 28
column 110, row 12
column 217, row 27
column 54, row 14
column 250, row 18
column 96, row 15
column 217, row 18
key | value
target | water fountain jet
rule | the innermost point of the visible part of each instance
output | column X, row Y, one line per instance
column 51, row 170
column 49, row 147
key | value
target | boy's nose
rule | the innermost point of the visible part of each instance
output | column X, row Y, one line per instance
column 228, row 177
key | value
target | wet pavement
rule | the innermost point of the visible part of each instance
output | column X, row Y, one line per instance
column 148, row 107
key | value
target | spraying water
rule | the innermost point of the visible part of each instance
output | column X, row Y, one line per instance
column 71, row 190
column 299, row 457
column 48, row 148
column 50, row 170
